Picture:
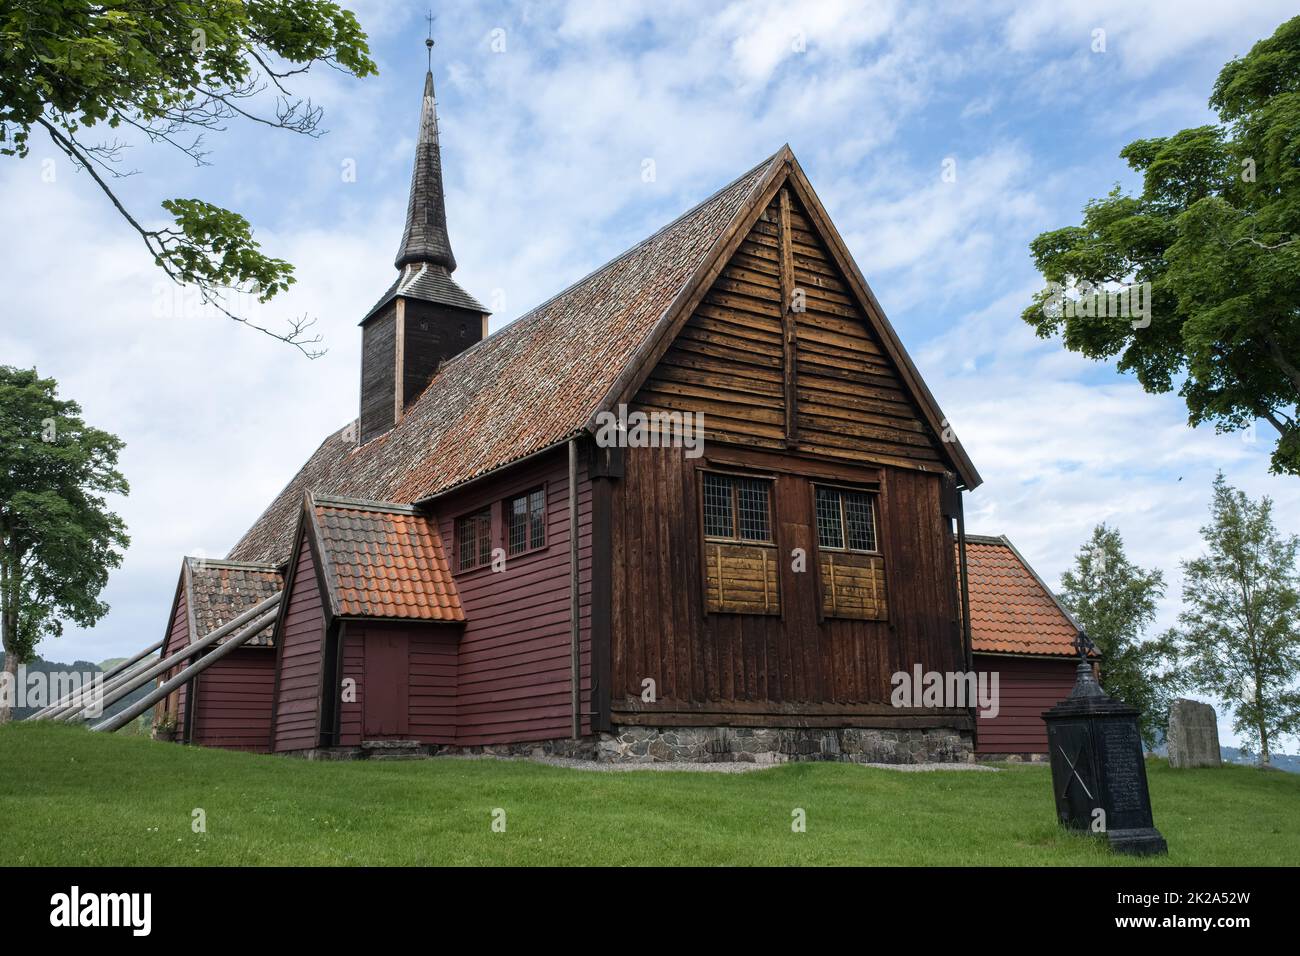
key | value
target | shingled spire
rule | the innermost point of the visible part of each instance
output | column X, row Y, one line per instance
column 425, row 239
column 425, row 318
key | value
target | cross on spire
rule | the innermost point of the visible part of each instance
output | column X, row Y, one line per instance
column 428, row 44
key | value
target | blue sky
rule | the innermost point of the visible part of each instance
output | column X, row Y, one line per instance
column 549, row 112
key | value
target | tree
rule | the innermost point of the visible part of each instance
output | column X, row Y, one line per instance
column 1215, row 238
column 171, row 72
column 58, row 539
column 1239, row 637
column 1114, row 601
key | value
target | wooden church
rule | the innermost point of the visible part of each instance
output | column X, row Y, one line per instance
column 467, row 566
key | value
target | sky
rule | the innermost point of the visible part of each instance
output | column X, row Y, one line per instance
column 550, row 113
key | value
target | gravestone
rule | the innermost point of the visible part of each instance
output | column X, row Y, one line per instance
column 1098, row 776
column 1193, row 737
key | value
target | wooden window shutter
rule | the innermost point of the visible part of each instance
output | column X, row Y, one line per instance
column 741, row 579
column 853, row 586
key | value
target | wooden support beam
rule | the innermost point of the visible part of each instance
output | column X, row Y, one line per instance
column 233, row 643
column 575, row 637
column 137, row 679
column 113, row 672
column 84, row 695
column 788, row 331
column 399, row 361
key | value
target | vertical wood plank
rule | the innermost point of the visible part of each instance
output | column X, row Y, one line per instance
column 788, row 327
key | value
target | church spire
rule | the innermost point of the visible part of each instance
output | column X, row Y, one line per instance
column 425, row 239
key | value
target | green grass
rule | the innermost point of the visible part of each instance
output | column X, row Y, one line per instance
column 75, row 798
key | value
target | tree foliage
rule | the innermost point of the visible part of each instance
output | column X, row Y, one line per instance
column 1114, row 601
column 1239, row 633
column 58, row 538
column 1215, row 232
column 172, row 72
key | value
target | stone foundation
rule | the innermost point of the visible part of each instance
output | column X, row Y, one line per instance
column 722, row 745
column 779, row 745
column 1012, row 758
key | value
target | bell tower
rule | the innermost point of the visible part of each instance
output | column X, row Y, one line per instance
column 424, row 318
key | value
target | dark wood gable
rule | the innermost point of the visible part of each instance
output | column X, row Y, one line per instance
column 815, row 413
column 813, row 377
column 727, row 359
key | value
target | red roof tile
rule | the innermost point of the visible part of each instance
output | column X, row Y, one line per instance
column 1011, row 610
column 384, row 560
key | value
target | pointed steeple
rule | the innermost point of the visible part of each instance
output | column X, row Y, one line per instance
column 424, row 319
column 425, row 238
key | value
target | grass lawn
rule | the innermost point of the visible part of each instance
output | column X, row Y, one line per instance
column 75, row 798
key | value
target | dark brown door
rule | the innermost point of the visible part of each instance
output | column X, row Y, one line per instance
column 384, row 693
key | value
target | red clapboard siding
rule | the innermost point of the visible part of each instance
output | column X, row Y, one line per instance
column 430, row 673
column 177, row 638
column 431, row 692
column 298, row 691
column 514, row 653
column 354, row 669
column 1027, row 687
column 234, row 701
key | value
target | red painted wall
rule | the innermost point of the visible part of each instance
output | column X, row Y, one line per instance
column 297, row 690
column 503, row 677
column 514, row 670
column 1027, row 687
column 177, row 638
column 233, row 701
column 431, row 694
column 431, row 666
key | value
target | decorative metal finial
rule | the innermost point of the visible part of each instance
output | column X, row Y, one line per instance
column 428, row 44
column 1085, row 682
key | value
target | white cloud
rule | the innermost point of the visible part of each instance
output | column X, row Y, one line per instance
column 1142, row 36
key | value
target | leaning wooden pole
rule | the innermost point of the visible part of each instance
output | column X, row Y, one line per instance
column 84, row 695
column 123, row 688
column 233, row 643
column 108, row 675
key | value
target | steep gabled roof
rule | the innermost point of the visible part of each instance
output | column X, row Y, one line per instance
column 383, row 560
column 542, row 379
column 217, row 592
column 1011, row 610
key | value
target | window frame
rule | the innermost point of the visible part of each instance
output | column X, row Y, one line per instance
column 489, row 511
column 768, row 480
column 873, row 497
column 507, row 512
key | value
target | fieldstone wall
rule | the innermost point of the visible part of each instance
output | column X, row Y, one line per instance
column 713, row 745
column 1013, row 758
column 779, row 745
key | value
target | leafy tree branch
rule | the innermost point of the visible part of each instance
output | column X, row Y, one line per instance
column 174, row 72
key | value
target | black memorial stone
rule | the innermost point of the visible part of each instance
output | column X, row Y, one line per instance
column 1098, row 775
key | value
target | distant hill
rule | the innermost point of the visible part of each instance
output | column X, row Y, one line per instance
column 47, row 667
column 1288, row 762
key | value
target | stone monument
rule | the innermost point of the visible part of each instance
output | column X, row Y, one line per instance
column 1193, row 735
column 1098, row 775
